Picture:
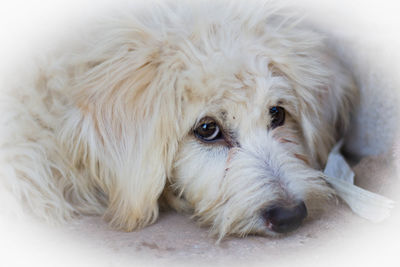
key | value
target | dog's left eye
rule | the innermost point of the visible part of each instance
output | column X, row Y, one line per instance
column 208, row 130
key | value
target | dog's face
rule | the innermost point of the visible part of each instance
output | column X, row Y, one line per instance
column 243, row 165
column 230, row 114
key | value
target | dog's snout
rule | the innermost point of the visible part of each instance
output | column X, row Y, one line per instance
column 281, row 219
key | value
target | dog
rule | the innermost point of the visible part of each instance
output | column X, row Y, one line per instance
column 223, row 110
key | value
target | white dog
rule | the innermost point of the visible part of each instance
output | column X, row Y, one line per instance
column 224, row 110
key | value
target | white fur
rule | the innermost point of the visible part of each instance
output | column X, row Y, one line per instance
column 106, row 127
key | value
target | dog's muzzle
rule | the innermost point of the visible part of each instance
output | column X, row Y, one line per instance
column 282, row 219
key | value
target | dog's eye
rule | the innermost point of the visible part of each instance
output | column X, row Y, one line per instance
column 278, row 116
column 208, row 130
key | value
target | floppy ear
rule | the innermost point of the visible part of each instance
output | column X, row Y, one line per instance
column 122, row 126
column 325, row 92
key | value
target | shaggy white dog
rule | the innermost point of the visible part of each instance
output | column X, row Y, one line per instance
column 224, row 110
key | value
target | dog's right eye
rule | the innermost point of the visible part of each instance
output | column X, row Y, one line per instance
column 208, row 130
column 278, row 116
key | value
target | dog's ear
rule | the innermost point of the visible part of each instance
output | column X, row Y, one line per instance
column 122, row 126
column 325, row 93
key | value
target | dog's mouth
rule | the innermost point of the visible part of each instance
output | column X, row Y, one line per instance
column 282, row 219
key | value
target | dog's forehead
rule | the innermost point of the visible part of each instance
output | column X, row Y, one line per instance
column 229, row 76
column 234, row 88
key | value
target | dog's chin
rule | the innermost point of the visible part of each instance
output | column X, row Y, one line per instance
column 256, row 226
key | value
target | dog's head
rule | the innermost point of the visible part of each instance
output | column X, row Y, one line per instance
column 228, row 112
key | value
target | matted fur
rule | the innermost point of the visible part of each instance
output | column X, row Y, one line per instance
column 106, row 127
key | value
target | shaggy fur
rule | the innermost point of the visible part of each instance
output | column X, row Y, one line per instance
column 106, row 128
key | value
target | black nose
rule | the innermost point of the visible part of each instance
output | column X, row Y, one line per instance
column 285, row 219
